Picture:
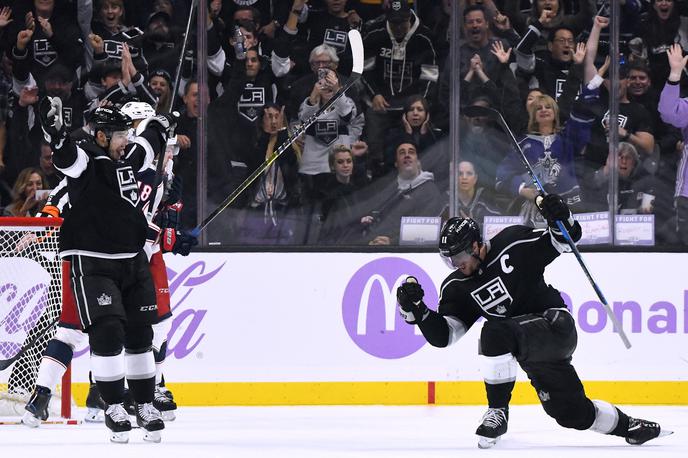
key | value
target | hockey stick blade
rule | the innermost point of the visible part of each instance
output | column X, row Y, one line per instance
column 5, row 363
column 491, row 113
column 357, row 55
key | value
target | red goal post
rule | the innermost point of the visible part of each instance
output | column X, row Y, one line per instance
column 32, row 282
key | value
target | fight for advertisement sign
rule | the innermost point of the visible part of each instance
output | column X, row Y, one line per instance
column 369, row 308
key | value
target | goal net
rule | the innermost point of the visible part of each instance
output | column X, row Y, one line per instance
column 31, row 285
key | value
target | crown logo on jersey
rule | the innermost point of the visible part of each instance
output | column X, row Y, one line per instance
column 104, row 299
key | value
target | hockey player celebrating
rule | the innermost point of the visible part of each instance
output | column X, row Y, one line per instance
column 526, row 322
column 69, row 336
column 110, row 277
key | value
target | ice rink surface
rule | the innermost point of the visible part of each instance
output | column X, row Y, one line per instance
column 349, row 431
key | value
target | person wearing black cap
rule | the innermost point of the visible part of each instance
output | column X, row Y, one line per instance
column 161, row 45
column 400, row 61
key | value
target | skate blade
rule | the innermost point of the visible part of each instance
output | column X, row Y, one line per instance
column 94, row 415
column 168, row 415
column 487, row 442
column 119, row 438
column 152, row 436
column 29, row 420
column 665, row 432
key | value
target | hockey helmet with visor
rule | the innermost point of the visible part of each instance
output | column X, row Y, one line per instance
column 456, row 241
column 110, row 120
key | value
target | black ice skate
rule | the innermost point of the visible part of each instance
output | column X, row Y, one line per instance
column 37, row 407
column 164, row 390
column 161, row 386
column 149, row 418
column 493, row 426
column 95, row 405
column 117, row 421
column 164, row 404
column 641, row 431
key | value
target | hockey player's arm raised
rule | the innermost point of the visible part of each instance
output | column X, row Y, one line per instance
column 553, row 209
column 438, row 330
column 151, row 139
column 67, row 157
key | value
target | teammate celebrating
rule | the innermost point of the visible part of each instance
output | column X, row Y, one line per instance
column 59, row 352
column 526, row 322
column 110, row 277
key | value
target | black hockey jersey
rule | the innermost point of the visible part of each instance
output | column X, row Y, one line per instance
column 397, row 70
column 104, row 220
column 510, row 280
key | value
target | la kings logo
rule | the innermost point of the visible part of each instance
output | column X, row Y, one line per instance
column 251, row 102
column 128, row 187
column 493, row 297
column 113, row 49
column 327, row 131
column 67, row 116
column 337, row 39
column 43, row 52
column 623, row 119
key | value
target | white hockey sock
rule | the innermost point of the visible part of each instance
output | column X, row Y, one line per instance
column 107, row 368
column 140, row 366
column 160, row 331
column 50, row 372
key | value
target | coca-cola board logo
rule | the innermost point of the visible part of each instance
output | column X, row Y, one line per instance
column 188, row 314
column 23, row 298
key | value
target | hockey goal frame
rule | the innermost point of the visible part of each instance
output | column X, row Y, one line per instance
column 50, row 228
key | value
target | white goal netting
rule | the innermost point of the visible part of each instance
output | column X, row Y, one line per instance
column 31, row 283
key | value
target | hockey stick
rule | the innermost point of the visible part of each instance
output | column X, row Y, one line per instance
column 357, row 70
column 494, row 115
column 175, row 88
column 5, row 363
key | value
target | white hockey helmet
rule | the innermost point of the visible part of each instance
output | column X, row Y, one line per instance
column 138, row 110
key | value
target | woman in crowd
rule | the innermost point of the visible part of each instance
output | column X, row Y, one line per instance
column 25, row 203
column 474, row 201
column 415, row 121
column 550, row 150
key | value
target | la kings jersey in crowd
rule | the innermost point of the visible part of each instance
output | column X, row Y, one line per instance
column 508, row 283
column 104, row 220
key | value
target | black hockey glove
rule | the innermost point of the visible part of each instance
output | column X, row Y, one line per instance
column 410, row 298
column 553, row 208
column 50, row 111
column 178, row 242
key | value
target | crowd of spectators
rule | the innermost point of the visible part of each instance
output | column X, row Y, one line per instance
column 383, row 152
